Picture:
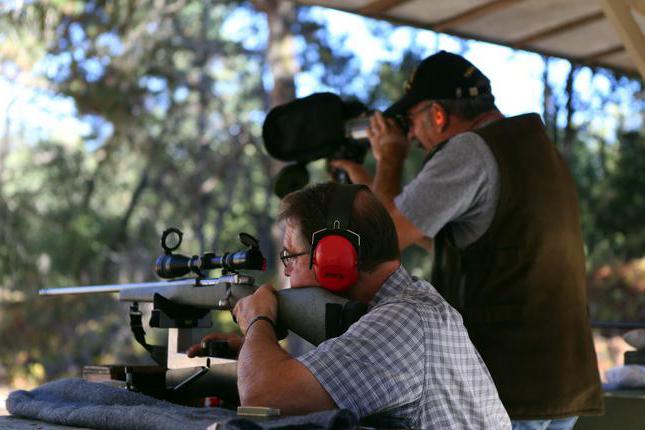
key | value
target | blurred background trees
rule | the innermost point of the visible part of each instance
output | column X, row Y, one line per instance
column 168, row 99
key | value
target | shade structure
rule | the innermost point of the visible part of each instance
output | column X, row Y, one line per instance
column 606, row 33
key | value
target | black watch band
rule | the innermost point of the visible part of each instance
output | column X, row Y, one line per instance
column 263, row 318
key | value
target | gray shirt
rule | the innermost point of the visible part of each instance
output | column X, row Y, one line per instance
column 409, row 362
column 458, row 185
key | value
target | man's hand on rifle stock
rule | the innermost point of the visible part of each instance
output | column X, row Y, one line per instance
column 261, row 303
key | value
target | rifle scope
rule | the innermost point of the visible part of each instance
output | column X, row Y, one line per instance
column 172, row 265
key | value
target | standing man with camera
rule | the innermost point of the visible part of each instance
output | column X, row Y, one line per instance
column 500, row 204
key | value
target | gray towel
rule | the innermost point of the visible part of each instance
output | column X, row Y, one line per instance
column 79, row 403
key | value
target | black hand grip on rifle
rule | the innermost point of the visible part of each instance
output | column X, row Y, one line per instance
column 216, row 348
column 171, row 265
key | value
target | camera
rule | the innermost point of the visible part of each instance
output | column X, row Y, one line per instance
column 320, row 125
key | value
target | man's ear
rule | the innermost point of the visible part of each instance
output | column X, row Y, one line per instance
column 438, row 116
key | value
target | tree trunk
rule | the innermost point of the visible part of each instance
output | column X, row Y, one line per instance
column 203, row 199
column 281, row 61
column 549, row 108
column 5, row 142
column 569, row 130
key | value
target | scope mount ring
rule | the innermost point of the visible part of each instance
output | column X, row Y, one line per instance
column 169, row 236
column 226, row 301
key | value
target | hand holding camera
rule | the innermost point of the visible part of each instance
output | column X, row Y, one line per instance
column 387, row 139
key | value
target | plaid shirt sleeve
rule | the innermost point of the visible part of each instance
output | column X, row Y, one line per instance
column 377, row 364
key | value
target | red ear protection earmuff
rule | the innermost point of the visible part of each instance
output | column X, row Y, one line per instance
column 335, row 258
column 335, row 251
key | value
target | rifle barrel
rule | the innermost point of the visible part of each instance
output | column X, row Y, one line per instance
column 111, row 288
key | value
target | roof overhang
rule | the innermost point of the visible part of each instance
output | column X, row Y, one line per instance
column 605, row 33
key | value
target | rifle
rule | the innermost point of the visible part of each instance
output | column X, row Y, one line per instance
column 185, row 304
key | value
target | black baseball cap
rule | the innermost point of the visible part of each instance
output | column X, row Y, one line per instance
column 441, row 76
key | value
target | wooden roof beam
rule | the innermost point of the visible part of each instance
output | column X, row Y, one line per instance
column 473, row 14
column 597, row 56
column 378, row 7
column 559, row 29
column 622, row 70
column 637, row 5
column 620, row 16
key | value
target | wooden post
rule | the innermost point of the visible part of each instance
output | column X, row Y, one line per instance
column 619, row 13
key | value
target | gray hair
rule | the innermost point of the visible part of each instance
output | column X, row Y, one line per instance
column 468, row 108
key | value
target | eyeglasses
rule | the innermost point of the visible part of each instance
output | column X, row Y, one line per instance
column 287, row 258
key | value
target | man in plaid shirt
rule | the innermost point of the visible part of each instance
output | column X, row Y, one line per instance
column 408, row 362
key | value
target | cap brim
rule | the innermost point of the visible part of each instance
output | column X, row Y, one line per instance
column 402, row 106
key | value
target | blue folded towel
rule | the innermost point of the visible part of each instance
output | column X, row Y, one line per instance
column 75, row 402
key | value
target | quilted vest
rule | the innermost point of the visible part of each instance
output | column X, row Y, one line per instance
column 521, row 286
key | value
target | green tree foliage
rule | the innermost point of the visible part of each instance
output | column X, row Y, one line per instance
column 621, row 210
column 606, row 164
column 51, row 238
column 176, row 107
column 175, row 93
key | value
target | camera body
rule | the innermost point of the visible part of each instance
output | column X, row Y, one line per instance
column 314, row 127
column 318, row 126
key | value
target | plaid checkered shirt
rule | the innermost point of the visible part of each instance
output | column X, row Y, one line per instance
column 409, row 362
